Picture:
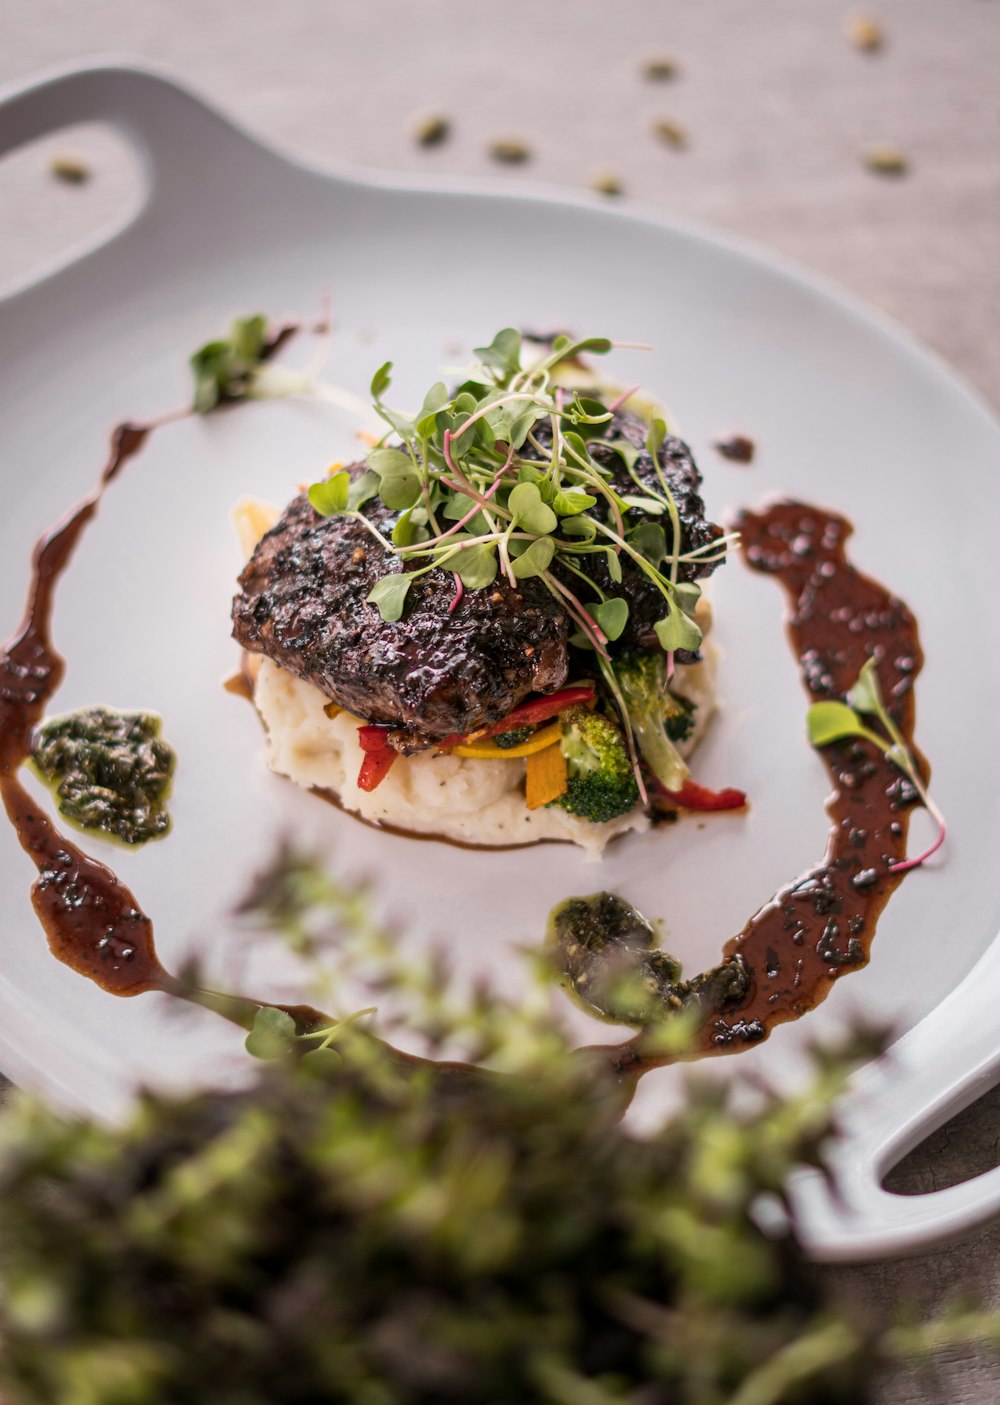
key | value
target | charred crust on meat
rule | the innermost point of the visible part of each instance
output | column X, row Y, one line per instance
column 303, row 604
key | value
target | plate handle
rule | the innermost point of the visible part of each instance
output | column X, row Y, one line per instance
column 934, row 1071
column 183, row 144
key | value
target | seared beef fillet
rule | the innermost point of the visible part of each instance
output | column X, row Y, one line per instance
column 434, row 674
column 431, row 674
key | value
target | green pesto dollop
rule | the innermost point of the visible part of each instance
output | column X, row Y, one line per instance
column 605, row 954
column 109, row 771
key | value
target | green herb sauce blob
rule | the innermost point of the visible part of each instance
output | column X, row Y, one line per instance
column 109, row 771
column 604, row 953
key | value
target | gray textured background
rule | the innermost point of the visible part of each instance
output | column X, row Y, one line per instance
column 779, row 110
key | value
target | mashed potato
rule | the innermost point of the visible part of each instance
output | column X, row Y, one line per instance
column 474, row 802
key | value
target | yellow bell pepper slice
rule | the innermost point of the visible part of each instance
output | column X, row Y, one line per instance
column 487, row 749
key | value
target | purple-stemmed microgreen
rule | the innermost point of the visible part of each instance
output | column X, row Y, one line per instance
column 579, row 614
column 832, row 721
column 622, row 399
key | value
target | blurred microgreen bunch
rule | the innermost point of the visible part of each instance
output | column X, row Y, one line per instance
column 377, row 1229
column 224, row 369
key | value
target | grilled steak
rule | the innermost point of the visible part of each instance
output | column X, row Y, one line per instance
column 429, row 675
column 435, row 673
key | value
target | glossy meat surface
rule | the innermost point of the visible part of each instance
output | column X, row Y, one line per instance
column 302, row 603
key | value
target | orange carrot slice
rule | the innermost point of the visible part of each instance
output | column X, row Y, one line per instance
column 546, row 777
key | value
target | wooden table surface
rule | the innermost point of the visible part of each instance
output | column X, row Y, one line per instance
column 777, row 110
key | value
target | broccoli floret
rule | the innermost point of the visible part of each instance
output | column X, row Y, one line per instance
column 642, row 677
column 602, row 785
column 514, row 737
column 678, row 716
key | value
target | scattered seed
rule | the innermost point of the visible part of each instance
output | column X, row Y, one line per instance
column 659, row 70
column 432, row 130
column 865, row 33
column 510, row 151
column 606, row 183
column 886, row 161
column 69, row 169
column 670, row 133
column 737, row 447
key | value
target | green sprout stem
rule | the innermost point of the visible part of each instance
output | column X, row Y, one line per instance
column 595, row 480
column 479, row 502
column 493, row 405
column 899, row 754
column 831, row 721
column 334, row 1031
column 589, row 626
column 934, row 811
column 612, row 684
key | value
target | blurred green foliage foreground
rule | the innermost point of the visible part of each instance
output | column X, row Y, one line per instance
column 358, row 1228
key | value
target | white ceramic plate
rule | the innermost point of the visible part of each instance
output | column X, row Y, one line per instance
column 846, row 411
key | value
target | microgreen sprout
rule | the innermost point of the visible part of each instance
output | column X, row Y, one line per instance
column 240, row 366
column 832, row 721
column 498, row 478
column 273, row 1034
column 224, row 369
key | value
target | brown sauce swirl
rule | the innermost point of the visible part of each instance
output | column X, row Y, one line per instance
column 820, row 926
column 91, row 919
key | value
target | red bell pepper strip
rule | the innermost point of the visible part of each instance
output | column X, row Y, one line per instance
column 378, row 757
column 693, row 796
column 529, row 713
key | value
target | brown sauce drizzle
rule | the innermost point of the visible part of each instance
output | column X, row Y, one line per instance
column 92, row 921
column 820, row 926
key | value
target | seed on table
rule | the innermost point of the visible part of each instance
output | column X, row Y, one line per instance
column 69, row 169
column 606, row 183
column 670, row 133
column 865, row 33
column 886, row 161
column 432, row 130
column 659, row 70
column 510, row 151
